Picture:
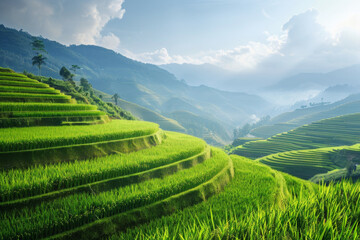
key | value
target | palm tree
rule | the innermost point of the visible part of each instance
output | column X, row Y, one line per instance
column 116, row 97
column 38, row 60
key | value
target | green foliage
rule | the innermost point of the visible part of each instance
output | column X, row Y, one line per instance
column 38, row 45
column 85, row 84
column 52, row 114
column 116, row 98
column 74, row 68
column 38, row 60
column 28, row 90
column 245, row 130
column 79, row 209
column 23, row 84
column 245, row 211
column 16, row 139
column 6, row 70
column 82, row 96
column 66, row 74
column 40, row 107
column 254, row 186
column 43, row 179
column 338, row 131
column 242, row 140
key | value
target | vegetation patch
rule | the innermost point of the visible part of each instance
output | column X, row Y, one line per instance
column 79, row 209
column 175, row 149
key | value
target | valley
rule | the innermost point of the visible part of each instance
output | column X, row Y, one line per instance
column 182, row 120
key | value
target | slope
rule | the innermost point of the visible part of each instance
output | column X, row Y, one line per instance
column 28, row 102
column 308, row 163
column 337, row 131
column 143, row 84
column 88, row 181
column 144, row 113
column 290, row 120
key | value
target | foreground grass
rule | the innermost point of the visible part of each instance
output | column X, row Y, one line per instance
column 79, row 209
column 17, row 183
column 246, row 210
column 331, row 132
column 16, row 139
column 254, row 185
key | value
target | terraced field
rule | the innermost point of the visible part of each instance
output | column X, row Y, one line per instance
column 288, row 121
column 103, row 191
column 337, row 131
column 308, row 163
column 28, row 102
column 84, row 181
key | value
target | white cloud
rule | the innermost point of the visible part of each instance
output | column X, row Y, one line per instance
column 110, row 41
column 67, row 21
column 240, row 58
column 303, row 46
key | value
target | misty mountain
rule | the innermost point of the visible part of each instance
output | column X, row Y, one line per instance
column 144, row 84
column 319, row 81
column 202, row 74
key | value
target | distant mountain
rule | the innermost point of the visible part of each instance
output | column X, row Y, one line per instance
column 291, row 120
column 320, row 81
column 144, row 84
column 196, row 75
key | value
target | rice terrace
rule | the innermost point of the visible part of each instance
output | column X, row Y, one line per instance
column 137, row 120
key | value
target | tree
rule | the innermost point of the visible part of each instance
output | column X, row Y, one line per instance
column 116, row 97
column 38, row 60
column 85, row 84
column 38, row 45
column 66, row 74
column 101, row 96
column 350, row 167
column 74, row 68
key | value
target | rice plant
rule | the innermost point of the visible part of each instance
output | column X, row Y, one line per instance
column 23, row 183
column 17, row 139
column 80, row 209
column 17, row 107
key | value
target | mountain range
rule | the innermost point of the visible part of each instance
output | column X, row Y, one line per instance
column 144, row 84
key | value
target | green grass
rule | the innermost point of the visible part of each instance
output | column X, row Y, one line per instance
column 18, row 183
column 40, row 107
column 52, row 114
column 335, row 176
column 30, row 95
column 17, row 78
column 9, row 72
column 17, row 139
column 29, row 90
column 80, row 209
column 253, row 186
column 338, row 131
column 246, row 210
column 287, row 121
column 23, row 84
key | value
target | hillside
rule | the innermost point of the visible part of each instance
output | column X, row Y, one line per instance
column 308, row 163
column 27, row 102
column 98, row 181
column 290, row 120
column 143, row 113
column 91, row 175
column 144, row 84
column 337, row 131
column 261, row 203
column 310, row 81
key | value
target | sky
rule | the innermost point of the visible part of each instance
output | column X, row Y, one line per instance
column 271, row 37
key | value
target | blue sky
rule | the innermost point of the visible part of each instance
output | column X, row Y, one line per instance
column 185, row 27
column 271, row 38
